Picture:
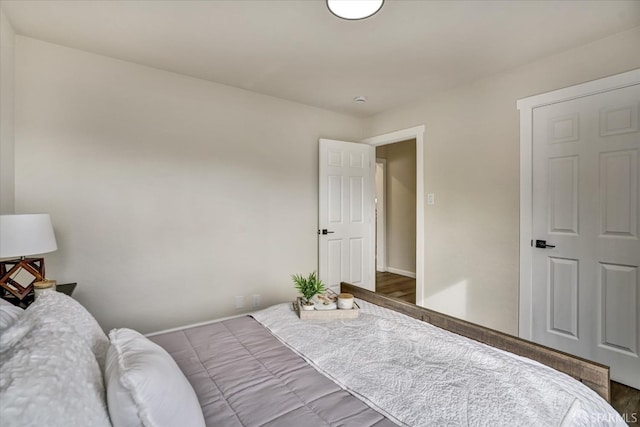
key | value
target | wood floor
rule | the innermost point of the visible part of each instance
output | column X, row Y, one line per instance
column 397, row 286
column 625, row 400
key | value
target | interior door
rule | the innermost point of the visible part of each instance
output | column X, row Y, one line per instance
column 585, row 279
column 346, row 208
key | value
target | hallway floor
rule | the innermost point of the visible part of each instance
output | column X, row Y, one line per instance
column 397, row 286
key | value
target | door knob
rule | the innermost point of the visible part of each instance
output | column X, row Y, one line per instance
column 543, row 244
column 325, row 231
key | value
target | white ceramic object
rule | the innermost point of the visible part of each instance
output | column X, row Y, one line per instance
column 44, row 285
column 320, row 305
column 308, row 307
column 345, row 301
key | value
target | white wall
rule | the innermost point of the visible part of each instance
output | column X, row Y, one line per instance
column 7, row 144
column 169, row 195
column 471, row 164
column 381, row 256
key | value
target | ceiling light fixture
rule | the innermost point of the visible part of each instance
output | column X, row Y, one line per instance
column 354, row 9
column 360, row 99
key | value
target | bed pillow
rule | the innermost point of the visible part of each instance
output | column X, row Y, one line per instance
column 8, row 314
column 145, row 387
column 49, row 376
column 58, row 307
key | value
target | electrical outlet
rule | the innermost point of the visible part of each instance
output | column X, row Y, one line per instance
column 255, row 300
column 431, row 199
column 240, row 301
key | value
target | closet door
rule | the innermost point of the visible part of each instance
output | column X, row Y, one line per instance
column 585, row 214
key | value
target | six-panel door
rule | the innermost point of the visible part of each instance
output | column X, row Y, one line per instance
column 345, row 212
column 586, row 294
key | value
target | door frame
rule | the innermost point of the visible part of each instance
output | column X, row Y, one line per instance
column 526, row 107
column 416, row 133
column 381, row 244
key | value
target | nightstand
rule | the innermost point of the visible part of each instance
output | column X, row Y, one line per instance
column 65, row 288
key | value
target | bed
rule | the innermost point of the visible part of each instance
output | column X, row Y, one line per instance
column 386, row 368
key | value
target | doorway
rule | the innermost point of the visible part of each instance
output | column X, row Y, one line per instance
column 395, row 204
column 396, row 277
column 346, row 209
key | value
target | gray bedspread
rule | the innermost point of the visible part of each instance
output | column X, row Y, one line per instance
column 244, row 376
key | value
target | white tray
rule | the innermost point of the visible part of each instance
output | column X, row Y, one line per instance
column 325, row 314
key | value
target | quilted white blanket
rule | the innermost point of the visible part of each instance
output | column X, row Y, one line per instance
column 420, row 375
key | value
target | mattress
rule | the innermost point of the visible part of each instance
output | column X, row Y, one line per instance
column 382, row 369
column 244, row 376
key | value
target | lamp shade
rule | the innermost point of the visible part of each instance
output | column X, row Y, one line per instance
column 23, row 235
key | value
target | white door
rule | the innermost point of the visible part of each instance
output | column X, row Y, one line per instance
column 346, row 212
column 585, row 283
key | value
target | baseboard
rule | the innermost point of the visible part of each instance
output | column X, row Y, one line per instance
column 194, row 325
column 401, row 272
column 381, row 269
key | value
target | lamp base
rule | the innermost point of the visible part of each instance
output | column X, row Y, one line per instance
column 17, row 276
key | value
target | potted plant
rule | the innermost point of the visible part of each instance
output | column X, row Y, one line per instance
column 308, row 287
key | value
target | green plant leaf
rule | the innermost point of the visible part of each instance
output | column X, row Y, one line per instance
column 308, row 286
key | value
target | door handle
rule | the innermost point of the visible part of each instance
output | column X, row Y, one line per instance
column 543, row 244
column 325, row 231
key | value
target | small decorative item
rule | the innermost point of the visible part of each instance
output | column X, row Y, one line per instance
column 308, row 287
column 326, row 301
column 325, row 308
column 345, row 301
column 43, row 285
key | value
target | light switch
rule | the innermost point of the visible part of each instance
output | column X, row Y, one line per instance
column 431, row 199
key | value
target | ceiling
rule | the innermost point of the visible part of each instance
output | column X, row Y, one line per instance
column 298, row 50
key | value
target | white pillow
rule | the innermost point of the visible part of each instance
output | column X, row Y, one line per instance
column 145, row 387
column 58, row 307
column 49, row 376
column 8, row 314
